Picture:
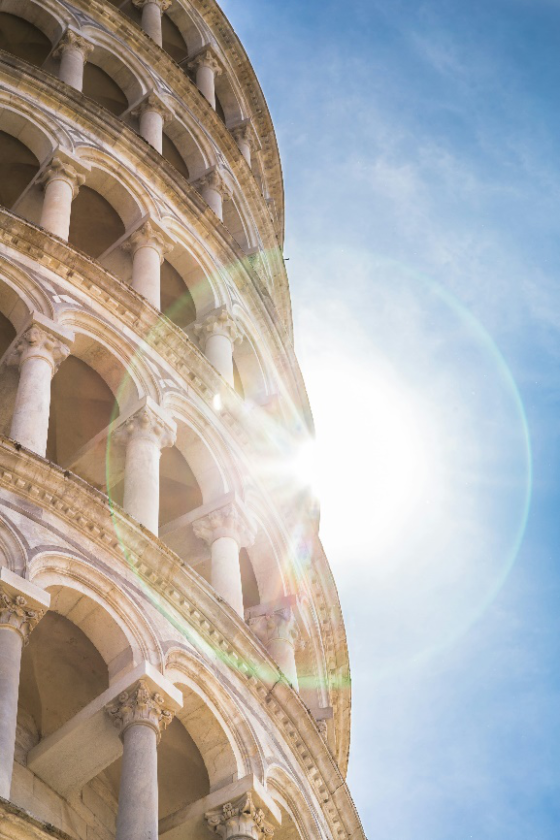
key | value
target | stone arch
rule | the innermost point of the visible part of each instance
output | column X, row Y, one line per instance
column 196, row 268
column 249, row 361
column 13, row 550
column 48, row 16
column 20, row 295
column 228, row 101
column 237, row 221
column 221, row 732
column 194, row 148
column 82, row 593
column 303, row 819
column 191, row 29
column 21, row 118
column 121, row 66
column 118, row 185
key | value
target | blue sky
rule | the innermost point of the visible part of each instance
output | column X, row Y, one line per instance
column 420, row 145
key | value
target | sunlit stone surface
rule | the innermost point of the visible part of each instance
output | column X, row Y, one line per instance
column 173, row 659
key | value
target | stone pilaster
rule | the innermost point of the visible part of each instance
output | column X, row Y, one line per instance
column 153, row 113
column 217, row 334
column 73, row 51
column 61, row 180
column 207, row 66
column 152, row 10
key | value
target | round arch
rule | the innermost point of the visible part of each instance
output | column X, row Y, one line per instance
column 48, row 16
column 13, row 550
column 105, row 614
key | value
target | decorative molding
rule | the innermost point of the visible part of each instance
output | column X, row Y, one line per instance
column 217, row 323
column 72, row 40
column 60, row 169
column 17, row 614
column 148, row 236
column 149, row 424
column 239, row 819
column 38, row 343
column 207, row 57
column 140, row 706
column 163, row 4
column 228, row 521
column 215, row 180
column 153, row 102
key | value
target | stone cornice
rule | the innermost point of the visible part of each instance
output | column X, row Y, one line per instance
column 86, row 510
column 44, row 86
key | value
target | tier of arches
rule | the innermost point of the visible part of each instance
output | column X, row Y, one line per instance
column 115, row 79
column 106, row 212
column 93, row 635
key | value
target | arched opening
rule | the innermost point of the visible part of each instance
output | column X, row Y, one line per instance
column 173, row 42
column 103, row 89
column 179, row 489
column 22, row 39
column 18, row 168
column 220, row 110
column 61, row 672
column 176, row 300
column 251, row 595
column 82, row 405
column 234, row 223
column 94, row 224
column 7, row 334
column 171, row 153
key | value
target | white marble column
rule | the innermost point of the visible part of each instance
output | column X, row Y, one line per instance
column 148, row 246
column 153, row 113
column 206, row 66
column 73, row 51
column 277, row 630
column 226, row 530
column 217, row 335
column 214, row 189
column 240, row 819
column 152, row 10
column 141, row 716
column 22, row 605
column 244, row 136
column 145, row 433
column 61, row 180
column 38, row 354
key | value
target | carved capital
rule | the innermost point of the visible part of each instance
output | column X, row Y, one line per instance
column 162, row 4
column 17, row 613
column 239, row 819
column 227, row 521
column 146, row 424
column 206, row 58
column 148, row 236
column 140, row 705
column 152, row 102
column 217, row 323
column 73, row 41
column 244, row 132
column 214, row 180
column 37, row 343
column 275, row 625
column 60, row 169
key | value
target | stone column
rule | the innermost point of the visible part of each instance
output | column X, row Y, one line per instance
column 217, row 334
column 145, row 433
column 148, row 246
column 206, row 66
column 214, row 189
column 240, row 820
column 243, row 135
column 38, row 354
column 152, row 10
column 141, row 716
column 61, row 181
column 73, row 51
column 153, row 114
column 226, row 530
column 278, row 631
column 22, row 605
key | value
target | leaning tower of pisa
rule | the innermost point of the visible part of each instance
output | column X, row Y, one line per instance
column 173, row 659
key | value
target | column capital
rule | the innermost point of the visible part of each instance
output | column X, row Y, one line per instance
column 44, row 339
column 244, row 132
column 219, row 322
column 153, row 102
column 72, row 40
column 148, row 422
column 230, row 520
column 140, row 705
column 206, row 57
column 240, row 818
column 149, row 235
column 22, row 604
column 214, row 179
column 280, row 624
column 162, row 4
column 63, row 168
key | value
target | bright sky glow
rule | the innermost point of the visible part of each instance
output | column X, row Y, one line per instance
column 420, row 150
